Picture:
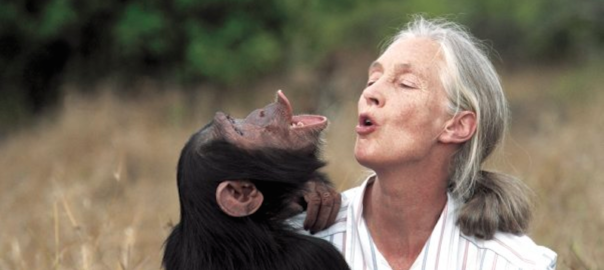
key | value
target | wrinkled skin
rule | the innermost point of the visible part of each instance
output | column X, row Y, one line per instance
column 275, row 126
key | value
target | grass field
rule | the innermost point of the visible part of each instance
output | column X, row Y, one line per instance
column 92, row 185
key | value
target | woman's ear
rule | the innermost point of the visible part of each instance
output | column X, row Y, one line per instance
column 460, row 128
column 238, row 198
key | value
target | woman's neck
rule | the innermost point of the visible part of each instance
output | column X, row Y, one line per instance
column 401, row 208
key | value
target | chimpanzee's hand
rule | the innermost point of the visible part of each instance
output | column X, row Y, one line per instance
column 323, row 203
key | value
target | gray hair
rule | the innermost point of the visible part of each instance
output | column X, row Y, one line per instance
column 492, row 201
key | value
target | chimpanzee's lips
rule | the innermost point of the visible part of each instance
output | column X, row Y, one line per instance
column 306, row 121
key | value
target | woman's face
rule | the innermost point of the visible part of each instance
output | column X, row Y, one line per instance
column 402, row 111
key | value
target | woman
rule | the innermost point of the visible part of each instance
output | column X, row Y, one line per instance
column 431, row 113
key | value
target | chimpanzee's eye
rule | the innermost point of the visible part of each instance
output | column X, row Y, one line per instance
column 231, row 119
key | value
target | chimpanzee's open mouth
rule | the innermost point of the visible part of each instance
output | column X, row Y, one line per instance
column 305, row 121
column 302, row 121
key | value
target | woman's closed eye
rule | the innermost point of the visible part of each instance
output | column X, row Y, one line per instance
column 408, row 84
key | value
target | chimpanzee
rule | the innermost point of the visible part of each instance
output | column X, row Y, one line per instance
column 236, row 180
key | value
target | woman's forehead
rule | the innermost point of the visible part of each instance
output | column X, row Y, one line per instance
column 412, row 53
column 419, row 56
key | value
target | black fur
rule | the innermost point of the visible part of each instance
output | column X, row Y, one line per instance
column 207, row 238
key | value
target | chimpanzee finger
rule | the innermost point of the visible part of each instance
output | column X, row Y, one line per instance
column 337, row 203
column 327, row 202
column 313, row 201
column 295, row 208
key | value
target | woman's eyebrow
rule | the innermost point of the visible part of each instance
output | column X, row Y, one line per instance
column 403, row 67
column 398, row 68
column 375, row 65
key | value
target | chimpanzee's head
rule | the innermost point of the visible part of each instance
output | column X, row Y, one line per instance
column 273, row 126
column 271, row 153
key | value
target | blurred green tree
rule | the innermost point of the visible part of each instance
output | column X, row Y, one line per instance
column 231, row 42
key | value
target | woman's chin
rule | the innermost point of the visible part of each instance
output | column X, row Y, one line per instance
column 364, row 159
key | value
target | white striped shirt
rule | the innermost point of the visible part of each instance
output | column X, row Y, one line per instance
column 447, row 247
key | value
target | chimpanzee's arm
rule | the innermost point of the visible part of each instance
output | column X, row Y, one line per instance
column 322, row 204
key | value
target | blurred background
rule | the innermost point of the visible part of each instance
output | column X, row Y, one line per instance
column 98, row 97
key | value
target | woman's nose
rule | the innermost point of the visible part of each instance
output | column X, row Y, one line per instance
column 373, row 96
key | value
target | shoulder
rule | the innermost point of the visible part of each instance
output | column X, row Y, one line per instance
column 517, row 250
column 340, row 223
column 348, row 195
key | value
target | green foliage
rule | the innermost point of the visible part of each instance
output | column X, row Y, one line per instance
column 237, row 51
column 139, row 27
column 231, row 42
column 57, row 16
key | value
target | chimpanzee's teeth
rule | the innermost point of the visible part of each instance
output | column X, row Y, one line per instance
column 367, row 122
column 297, row 124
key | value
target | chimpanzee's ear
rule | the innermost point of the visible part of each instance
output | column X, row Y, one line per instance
column 238, row 198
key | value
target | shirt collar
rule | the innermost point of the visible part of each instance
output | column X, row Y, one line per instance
column 363, row 250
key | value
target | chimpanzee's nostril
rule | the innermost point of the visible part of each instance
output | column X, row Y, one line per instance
column 262, row 113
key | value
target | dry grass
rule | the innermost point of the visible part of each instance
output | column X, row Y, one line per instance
column 93, row 186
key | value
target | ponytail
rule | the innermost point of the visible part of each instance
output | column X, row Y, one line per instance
column 499, row 202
